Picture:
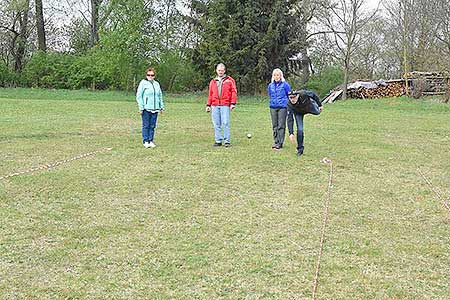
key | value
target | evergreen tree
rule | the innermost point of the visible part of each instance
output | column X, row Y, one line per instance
column 250, row 37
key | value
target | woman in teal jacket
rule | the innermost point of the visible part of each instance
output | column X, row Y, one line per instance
column 150, row 102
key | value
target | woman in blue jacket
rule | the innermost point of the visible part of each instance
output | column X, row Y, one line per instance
column 150, row 102
column 278, row 90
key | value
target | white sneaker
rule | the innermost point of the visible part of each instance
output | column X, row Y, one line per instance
column 147, row 145
column 151, row 145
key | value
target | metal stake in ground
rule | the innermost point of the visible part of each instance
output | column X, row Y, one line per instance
column 324, row 226
column 54, row 164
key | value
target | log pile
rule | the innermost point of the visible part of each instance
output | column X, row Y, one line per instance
column 428, row 83
column 393, row 88
column 369, row 90
column 419, row 84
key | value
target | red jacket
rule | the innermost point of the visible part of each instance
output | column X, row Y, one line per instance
column 229, row 93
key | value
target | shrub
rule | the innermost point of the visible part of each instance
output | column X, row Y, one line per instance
column 175, row 73
column 7, row 77
column 325, row 81
column 88, row 71
column 48, row 70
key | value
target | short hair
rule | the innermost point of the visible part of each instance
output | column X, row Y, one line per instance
column 221, row 65
column 150, row 69
column 300, row 93
column 277, row 70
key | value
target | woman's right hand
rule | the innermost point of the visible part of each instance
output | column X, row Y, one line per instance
column 140, row 112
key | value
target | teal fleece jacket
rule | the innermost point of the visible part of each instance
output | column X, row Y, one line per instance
column 149, row 95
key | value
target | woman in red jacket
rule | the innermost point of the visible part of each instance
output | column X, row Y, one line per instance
column 222, row 99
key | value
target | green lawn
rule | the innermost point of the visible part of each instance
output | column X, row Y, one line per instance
column 189, row 221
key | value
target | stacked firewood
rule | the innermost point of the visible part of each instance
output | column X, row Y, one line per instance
column 389, row 89
column 416, row 74
column 429, row 83
column 419, row 84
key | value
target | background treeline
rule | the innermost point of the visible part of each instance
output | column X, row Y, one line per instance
column 107, row 44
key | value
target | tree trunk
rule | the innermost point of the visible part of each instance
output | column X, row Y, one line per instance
column 405, row 46
column 94, row 22
column 344, row 93
column 22, row 38
column 305, row 66
column 42, row 44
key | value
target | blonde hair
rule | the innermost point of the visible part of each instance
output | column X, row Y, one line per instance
column 278, row 71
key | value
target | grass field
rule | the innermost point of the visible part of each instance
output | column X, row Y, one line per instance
column 189, row 221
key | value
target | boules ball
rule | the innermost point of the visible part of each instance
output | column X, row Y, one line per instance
column 249, row 135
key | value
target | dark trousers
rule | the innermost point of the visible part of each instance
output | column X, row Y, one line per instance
column 278, row 124
column 148, row 125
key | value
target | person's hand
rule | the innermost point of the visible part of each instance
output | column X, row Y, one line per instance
column 232, row 106
column 292, row 138
column 140, row 112
column 162, row 111
column 208, row 109
column 321, row 108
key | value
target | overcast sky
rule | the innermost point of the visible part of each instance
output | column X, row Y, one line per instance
column 372, row 3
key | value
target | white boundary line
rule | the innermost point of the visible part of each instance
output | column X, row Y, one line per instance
column 53, row 164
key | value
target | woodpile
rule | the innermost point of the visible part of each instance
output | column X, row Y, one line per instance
column 419, row 84
column 369, row 90
column 428, row 83
column 393, row 88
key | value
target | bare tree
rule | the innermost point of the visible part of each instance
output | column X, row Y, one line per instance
column 443, row 30
column 345, row 19
column 94, row 13
column 303, row 13
column 23, row 36
column 367, row 59
column 15, row 32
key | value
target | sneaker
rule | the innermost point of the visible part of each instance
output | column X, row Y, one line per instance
column 217, row 144
column 227, row 144
column 277, row 147
column 299, row 153
column 151, row 145
column 146, row 145
column 274, row 146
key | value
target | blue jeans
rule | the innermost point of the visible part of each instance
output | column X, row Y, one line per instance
column 148, row 125
column 299, row 122
column 300, row 135
column 221, row 120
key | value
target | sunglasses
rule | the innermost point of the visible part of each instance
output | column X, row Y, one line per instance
column 151, row 75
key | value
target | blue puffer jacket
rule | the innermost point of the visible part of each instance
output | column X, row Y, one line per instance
column 149, row 95
column 278, row 94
